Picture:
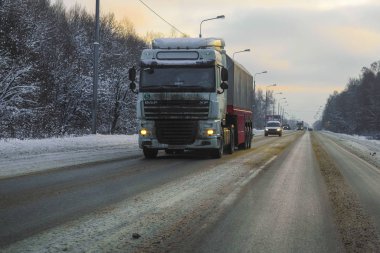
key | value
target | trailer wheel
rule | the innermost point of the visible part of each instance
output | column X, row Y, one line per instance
column 249, row 138
column 150, row 153
column 231, row 146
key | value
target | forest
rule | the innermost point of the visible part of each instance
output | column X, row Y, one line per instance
column 46, row 71
column 356, row 110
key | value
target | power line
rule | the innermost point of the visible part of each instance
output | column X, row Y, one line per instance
column 158, row 15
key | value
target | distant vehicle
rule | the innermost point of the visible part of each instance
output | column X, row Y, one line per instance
column 300, row 125
column 310, row 128
column 273, row 128
column 286, row 127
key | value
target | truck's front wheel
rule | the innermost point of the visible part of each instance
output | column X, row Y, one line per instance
column 150, row 153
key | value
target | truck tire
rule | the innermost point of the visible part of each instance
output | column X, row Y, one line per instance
column 249, row 141
column 150, row 153
column 245, row 145
column 231, row 146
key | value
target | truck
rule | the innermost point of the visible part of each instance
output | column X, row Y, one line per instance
column 300, row 125
column 192, row 96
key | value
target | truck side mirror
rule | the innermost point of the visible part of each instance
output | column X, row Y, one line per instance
column 224, row 86
column 132, row 74
column 224, row 75
column 132, row 78
column 132, row 86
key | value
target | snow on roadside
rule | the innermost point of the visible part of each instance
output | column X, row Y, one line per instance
column 19, row 157
column 360, row 145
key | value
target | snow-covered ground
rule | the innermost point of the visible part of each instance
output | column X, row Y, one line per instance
column 359, row 145
column 19, row 157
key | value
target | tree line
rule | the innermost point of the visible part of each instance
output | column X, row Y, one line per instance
column 356, row 110
column 46, row 72
column 46, row 69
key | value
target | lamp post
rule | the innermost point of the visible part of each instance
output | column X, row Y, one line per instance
column 200, row 26
column 245, row 50
column 266, row 100
column 96, row 73
column 274, row 100
column 254, row 92
column 278, row 105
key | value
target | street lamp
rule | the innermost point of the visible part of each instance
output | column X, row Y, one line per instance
column 96, row 67
column 200, row 26
column 245, row 50
column 266, row 100
column 274, row 100
column 278, row 105
column 254, row 92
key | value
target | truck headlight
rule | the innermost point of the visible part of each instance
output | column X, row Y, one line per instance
column 143, row 132
column 266, row 129
column 210, row 132
column 278, row 129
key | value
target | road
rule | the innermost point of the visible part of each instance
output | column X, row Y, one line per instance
column 286, row 209
column 363, row 177
column 271, row 198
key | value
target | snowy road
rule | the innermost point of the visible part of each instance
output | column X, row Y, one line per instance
column 51, row 199
column 286, row 209
column 363, row 177
column 271, row 198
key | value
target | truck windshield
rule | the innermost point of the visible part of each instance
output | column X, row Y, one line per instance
column 178, row 79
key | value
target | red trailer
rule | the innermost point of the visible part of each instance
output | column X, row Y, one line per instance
column 240, row 102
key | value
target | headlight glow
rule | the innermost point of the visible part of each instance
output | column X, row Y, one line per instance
column 210, row 132
column 143, row 132
column 278, row 129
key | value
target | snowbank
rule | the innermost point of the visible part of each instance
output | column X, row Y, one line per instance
column 25, row 156
column 360, row 145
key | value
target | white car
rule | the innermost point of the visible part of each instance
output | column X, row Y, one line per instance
column 273, row 128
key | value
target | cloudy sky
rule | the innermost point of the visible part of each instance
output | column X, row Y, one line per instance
column 309, row 47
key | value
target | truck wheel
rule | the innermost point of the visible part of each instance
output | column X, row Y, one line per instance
column 218, row 152
column 249, row 138
column 150, row 153
column 231, row 146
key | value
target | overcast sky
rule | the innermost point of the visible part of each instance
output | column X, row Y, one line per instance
column 309, row 47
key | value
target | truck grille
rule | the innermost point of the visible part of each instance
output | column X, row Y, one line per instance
column 176, row 132
column 176, row 109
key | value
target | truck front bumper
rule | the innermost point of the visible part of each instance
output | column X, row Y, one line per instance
column 210, row 142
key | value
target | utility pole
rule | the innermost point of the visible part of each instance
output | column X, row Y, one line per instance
column 96, row 73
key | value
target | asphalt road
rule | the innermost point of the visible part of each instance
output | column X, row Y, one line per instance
column 34, row 203
column 361, row 176
column 271, row 198
column 284, row 209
